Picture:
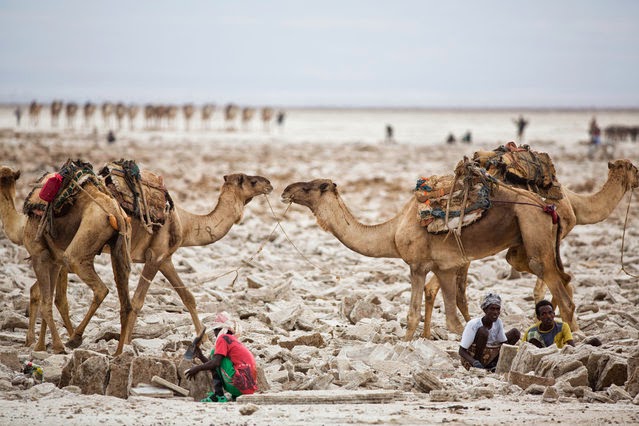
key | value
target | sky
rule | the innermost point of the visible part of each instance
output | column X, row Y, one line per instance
column 465, row 53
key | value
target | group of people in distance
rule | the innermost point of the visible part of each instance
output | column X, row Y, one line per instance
column 234, row 371
column 482, row 337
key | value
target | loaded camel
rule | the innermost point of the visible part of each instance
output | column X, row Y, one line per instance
column 403, row 237
column 573, row 209
column 185, row 229
column 93, row 220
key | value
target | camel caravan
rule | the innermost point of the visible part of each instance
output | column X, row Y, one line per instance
column 158, row 117
column 78, row 212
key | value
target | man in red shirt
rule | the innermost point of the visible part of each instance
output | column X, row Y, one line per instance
column 230, row 362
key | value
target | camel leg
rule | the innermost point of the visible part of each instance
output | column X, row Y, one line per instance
column 46, row 272
column 448, row 281
column 137, row 301
column 417, row 279
column 461, row 279
column 84, row 268
column 539, row 292
column 61, row 300
column 34, row 308
column 540, row 244
column 430, row 292
column 168, row 270
column 121, row 270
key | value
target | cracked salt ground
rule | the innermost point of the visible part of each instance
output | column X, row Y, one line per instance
column 328, row 327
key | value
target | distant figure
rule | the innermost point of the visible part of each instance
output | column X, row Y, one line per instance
column 450, row 139
column 595, row 138
column 280, row 119
column 521, row 124
column 389, row 134
column 110, row 137
column 468, row 137
column 18, row 113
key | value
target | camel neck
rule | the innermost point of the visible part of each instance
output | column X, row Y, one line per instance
column 12, row 221
column 368, row 240
column 594, row 208
column 200, row 230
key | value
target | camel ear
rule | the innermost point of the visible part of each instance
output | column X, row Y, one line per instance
column 226, row 177
column 16, row 175
column 610, row 165
column 241, row 181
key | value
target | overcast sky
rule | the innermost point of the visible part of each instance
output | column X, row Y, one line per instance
column 500, row 53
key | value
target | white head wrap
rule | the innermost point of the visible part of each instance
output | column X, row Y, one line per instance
column 490, row 299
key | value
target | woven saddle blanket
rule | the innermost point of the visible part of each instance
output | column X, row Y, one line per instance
column 75, row 175
column 522, row 168
column 141, row 193
column 435, row 195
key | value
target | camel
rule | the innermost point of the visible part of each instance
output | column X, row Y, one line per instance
column 149, row 116
column 573, row 209
column 403, row 237
column 267, row 116
column 230, row 113
column 107, row 111
column 185, row 229
column 94, row 220
column 132, row 112
column 247, row 116
column 71, row 111
column 188, row 110
column 34, row 113
column 207, row 114
column 56, row 109
column 120, row 112
column 89, row 111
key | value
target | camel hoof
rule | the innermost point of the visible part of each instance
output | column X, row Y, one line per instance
column 40, row 348
column 74, row 342
column 59, row 350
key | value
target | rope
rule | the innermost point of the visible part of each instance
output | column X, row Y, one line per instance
column 279, row 224
column 623, row 238
column 236, row 270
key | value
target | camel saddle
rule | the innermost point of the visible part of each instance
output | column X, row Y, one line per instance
column 75, row 175
column 522, row 168
column 435, row 195
column 141, row 193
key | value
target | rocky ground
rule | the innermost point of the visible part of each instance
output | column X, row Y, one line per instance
column 325, row 323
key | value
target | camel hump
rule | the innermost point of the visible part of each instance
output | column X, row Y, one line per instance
column 141, row 193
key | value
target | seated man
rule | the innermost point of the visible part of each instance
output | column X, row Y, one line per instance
column 483, row 337
column 548, row 331
column 230, row 362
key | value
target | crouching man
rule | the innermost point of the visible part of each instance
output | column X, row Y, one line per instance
column 230, row 362
column 483, row 337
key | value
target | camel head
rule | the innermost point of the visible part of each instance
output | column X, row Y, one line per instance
column 309, row 193
column 626, row 171
column 8, row 180
column 246, row 186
